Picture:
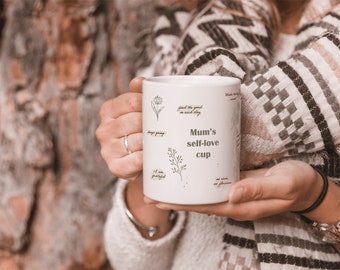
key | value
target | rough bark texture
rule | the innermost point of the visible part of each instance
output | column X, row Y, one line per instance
column 59, row 60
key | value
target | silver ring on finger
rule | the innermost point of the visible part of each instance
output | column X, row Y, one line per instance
column 126, row 144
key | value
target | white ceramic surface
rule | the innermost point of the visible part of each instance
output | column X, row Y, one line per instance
column 191, row 138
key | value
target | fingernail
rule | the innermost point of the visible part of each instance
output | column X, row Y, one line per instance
column 162, row 206
column 147, row 200
column 236, row 195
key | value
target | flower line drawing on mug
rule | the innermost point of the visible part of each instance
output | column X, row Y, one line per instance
column 176, row 161
column 156, row 105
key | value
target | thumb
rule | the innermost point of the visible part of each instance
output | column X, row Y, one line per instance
column 135, row 84
column 243, row 189
column 250, row 189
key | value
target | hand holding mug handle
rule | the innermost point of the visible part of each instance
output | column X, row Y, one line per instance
column 120, row 133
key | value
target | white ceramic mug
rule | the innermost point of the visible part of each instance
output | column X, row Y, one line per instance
column 191, row 138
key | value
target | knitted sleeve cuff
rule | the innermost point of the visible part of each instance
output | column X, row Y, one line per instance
column 127, row 249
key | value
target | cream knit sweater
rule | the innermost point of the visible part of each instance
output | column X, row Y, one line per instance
column 291, row 109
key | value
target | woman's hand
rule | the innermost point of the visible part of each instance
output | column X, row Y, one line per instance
column 288, row 186
column 119, row 117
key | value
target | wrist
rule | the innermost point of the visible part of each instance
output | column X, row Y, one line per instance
column 320, row 178
column 328, row 211
column 324, row 218
column 152, row 222
column 152, row 232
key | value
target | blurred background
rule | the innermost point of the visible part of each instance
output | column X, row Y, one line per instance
column 59, row 60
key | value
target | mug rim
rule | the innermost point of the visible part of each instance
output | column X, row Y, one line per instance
column 190, row 80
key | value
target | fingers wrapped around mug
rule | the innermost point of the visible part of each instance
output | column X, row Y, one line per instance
column 288, row 186
column 120, row 135
column 121, row 146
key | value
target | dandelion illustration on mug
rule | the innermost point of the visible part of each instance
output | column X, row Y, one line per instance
column 176, row 162
column 156, row 105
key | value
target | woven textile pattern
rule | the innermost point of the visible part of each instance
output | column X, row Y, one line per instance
column 290, row 110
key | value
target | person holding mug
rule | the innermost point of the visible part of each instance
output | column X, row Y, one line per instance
column 284, row 211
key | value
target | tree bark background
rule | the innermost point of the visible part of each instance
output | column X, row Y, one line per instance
column 59, row 61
